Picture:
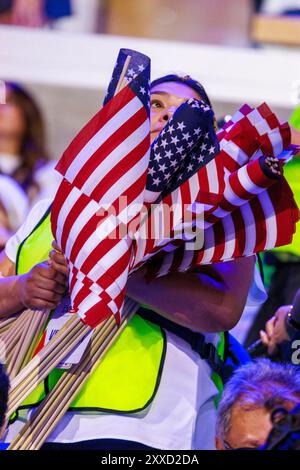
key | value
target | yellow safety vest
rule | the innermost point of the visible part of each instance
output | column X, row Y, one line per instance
column 128, row 377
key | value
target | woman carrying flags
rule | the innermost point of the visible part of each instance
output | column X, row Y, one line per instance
column 153, row 389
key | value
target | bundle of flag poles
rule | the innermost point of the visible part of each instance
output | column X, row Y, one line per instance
column 18, row 338
column 230, row 185
column 48, row 414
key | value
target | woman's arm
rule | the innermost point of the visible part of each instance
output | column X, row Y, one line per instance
column 209, row 300
column 40, row 288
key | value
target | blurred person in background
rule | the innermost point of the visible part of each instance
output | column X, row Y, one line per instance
column 282, row 329
column 251, row 395
column 23, row 154
column 33, row 13
column 13, row 208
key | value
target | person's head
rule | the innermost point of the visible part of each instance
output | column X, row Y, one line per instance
column 248, row 400
column 21, row 126
column 4, row 386
column 167, row 94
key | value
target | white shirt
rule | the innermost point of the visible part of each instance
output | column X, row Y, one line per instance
column 182, row 414
column 9, row 163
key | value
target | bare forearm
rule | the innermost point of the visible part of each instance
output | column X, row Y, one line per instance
column 9, row 299
column 202, row 301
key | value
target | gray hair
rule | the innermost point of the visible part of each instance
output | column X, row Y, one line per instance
column 261, row 383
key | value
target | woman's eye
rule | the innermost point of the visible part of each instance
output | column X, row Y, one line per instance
column 156, row 104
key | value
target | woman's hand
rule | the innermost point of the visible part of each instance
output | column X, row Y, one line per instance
column 275, row 332
column 58, row 261
column 42, row 287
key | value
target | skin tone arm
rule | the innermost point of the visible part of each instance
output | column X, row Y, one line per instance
column 40, row 288
column 210, row 300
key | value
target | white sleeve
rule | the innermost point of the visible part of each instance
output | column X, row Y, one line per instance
column 26, row 228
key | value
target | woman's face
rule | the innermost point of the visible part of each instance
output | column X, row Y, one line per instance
column 165, row 99
column 12, row 123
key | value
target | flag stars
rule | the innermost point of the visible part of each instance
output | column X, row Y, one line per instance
column 141, row 68
column 174, row 140
column 142, row 90
column 174, row 163
column 157, row 157
column 169, row 154
column 186, row 136
column 164, row 143
column 180, row 126
column 197, row 131
column 151, row 171
column 156, row 181
column 131, row 73
column 190, row 144
column 201, row 158
column 163, row 167
column 180, row 150
column 190, row 167
column 206, row 135
column 171, row 129
column 203, row 147
column 212, row 149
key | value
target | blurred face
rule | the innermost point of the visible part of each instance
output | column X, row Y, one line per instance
column 12, row 123
column 165, row 99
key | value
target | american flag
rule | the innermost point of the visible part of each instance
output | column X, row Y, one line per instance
column 252, row 211
column 186, row 144
column 107, row 161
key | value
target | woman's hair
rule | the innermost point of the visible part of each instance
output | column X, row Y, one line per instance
column 32, row 151
column 186, row 80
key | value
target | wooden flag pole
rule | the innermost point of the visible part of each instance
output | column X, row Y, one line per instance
column 40, row 366
column 122, row 82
